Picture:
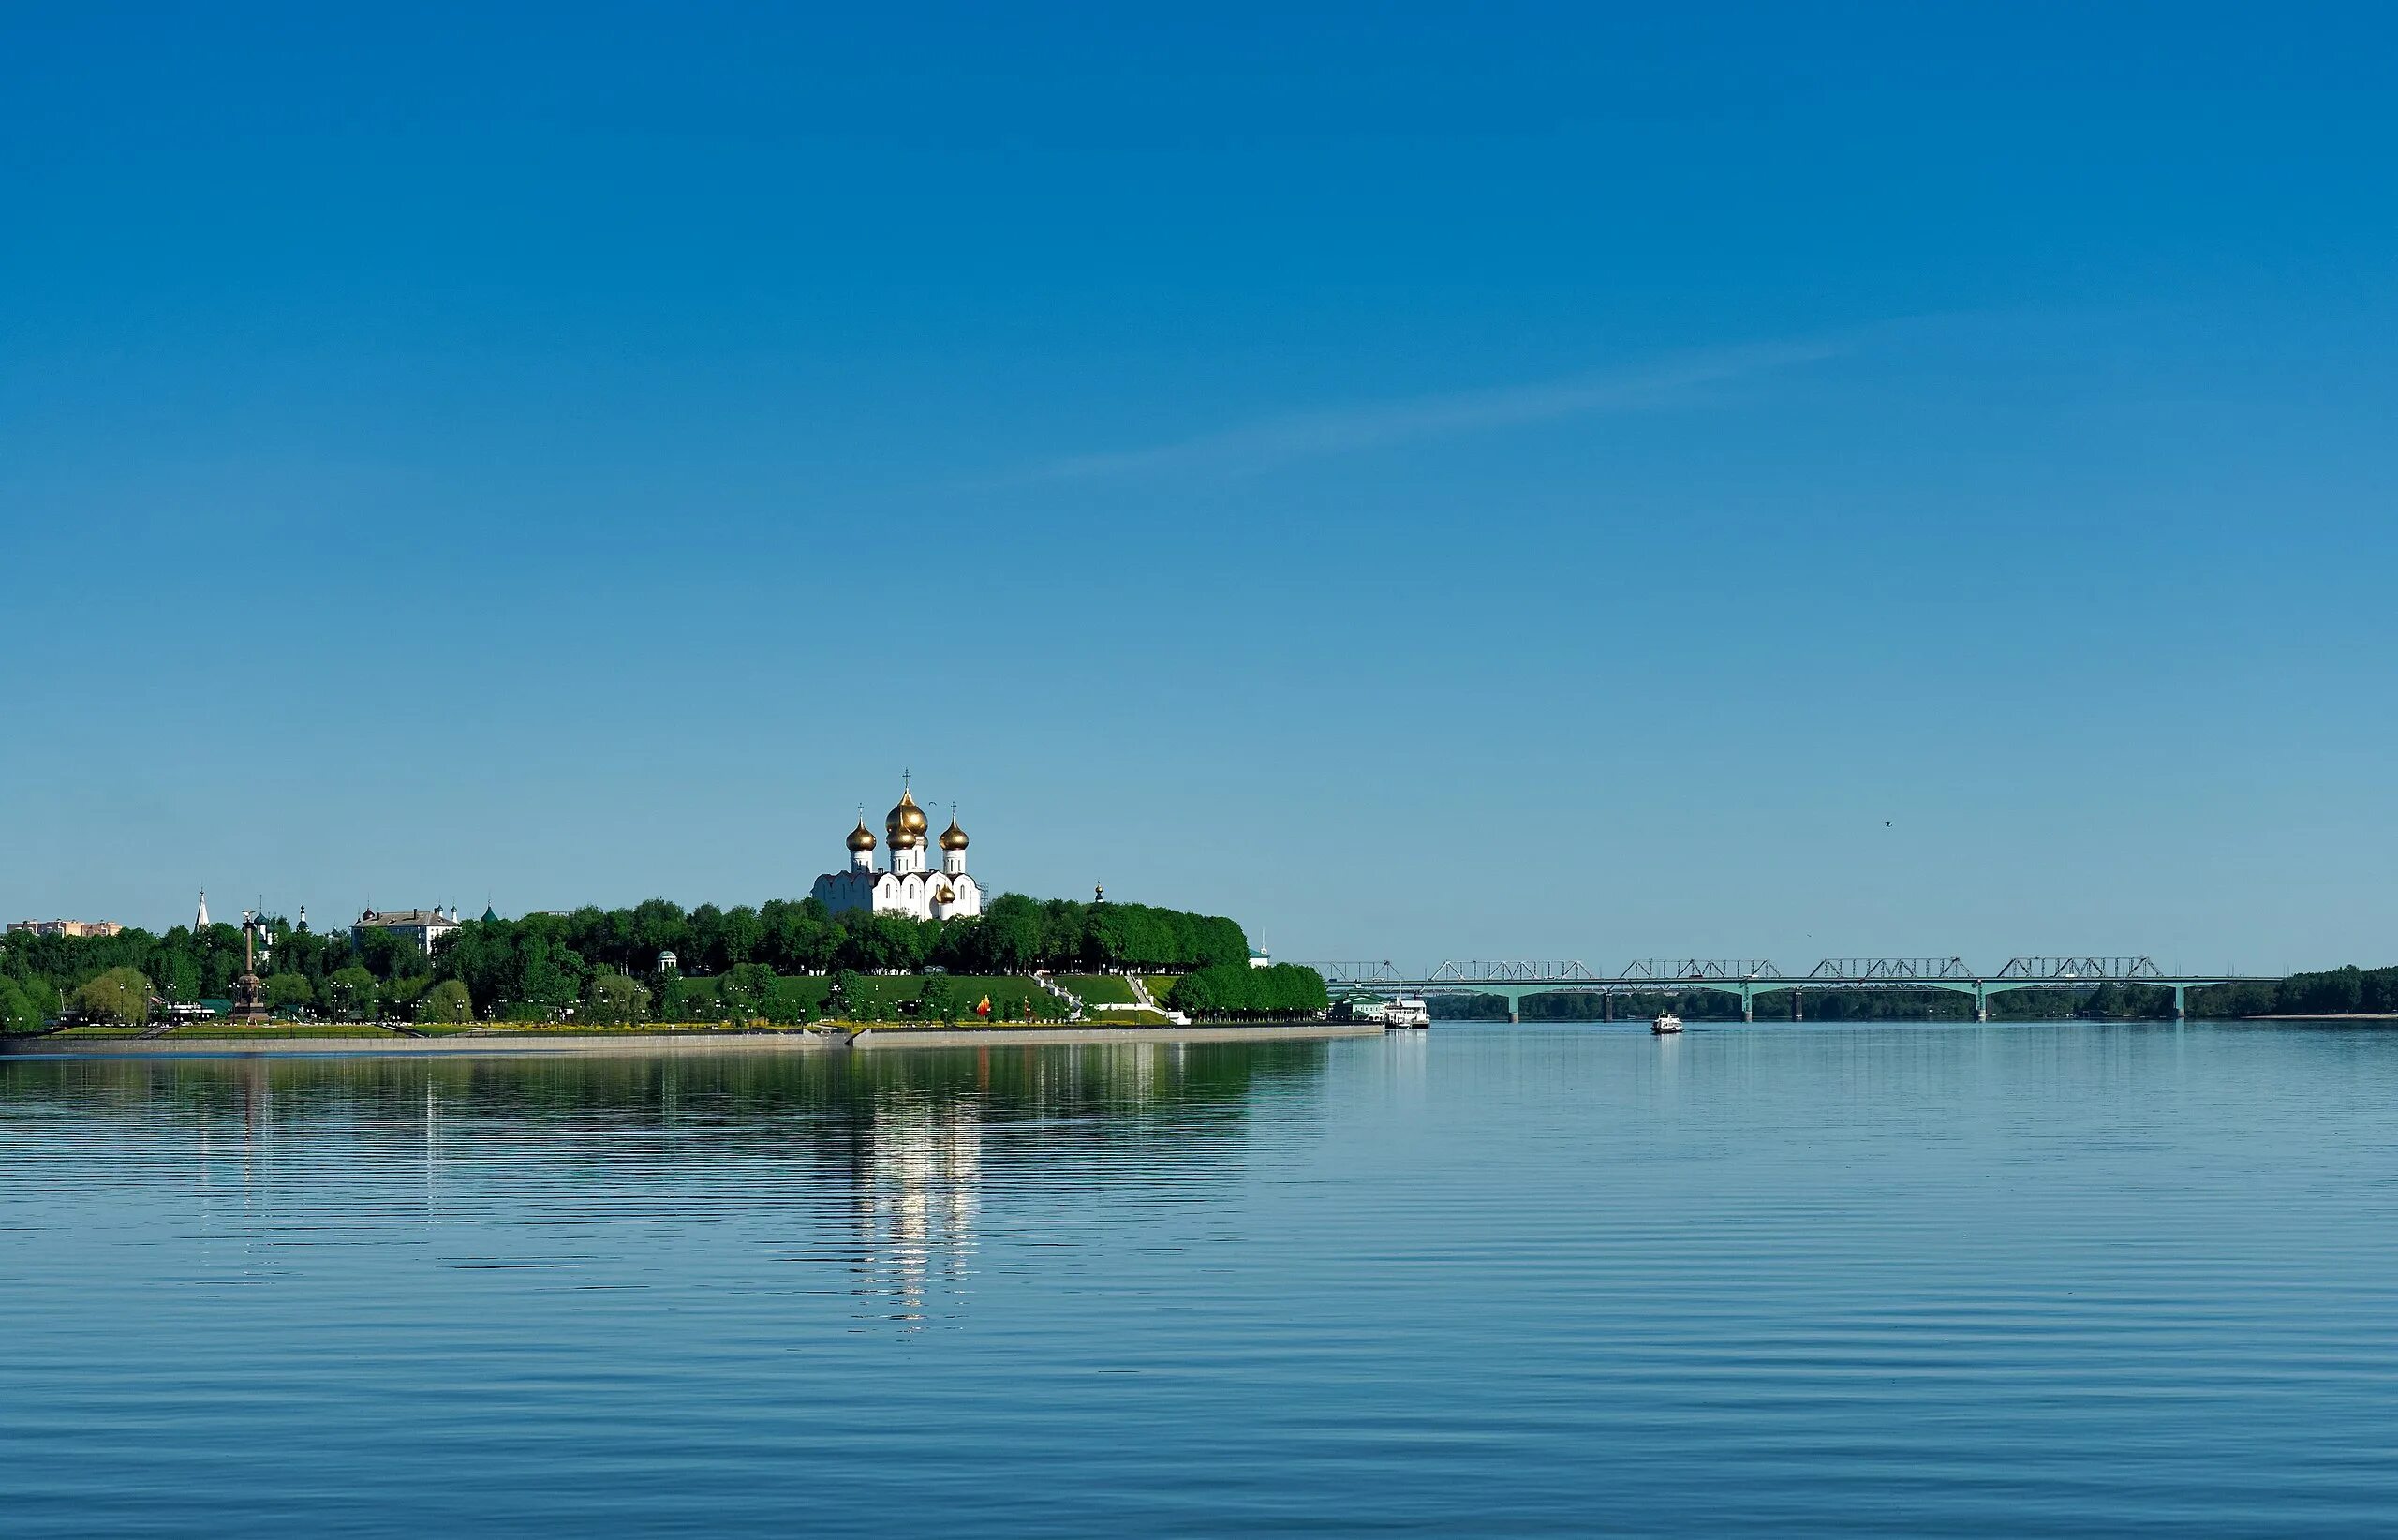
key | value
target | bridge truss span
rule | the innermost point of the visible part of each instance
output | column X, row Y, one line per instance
column 1697, row 969
column 1892, row 969
column 2081, row 969
column 1566, row 972
column 1384, row 972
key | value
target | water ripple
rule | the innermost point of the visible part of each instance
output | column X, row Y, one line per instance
column 1818, row 1281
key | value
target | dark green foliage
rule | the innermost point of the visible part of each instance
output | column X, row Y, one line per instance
column 24, row 1006
column 389, row 955
column 288, row 991
column 121, row 996
column 350, row 994
column 741, row 963
column 1016, row 934
column 1229, row 990
column 936, row 999
column 396, row 999
column 546, row 959
column 612, row 999
column 742, row 992
column 446, row 1002
column 2342, row 991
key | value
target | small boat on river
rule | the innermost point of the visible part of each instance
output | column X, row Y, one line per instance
column 1664, row 1022
column 1407, row 1011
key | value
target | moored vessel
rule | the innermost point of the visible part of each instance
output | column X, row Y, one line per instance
column 1664, row 1022
column 1407, row 1011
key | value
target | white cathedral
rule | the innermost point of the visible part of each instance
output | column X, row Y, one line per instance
column 907, row 888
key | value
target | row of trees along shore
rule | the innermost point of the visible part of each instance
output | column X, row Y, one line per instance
column 544, row 964
column 2338, row 992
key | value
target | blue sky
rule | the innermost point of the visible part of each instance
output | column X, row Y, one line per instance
column 1493, row 481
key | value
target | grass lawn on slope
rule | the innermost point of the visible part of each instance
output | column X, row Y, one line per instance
column 1100, row 988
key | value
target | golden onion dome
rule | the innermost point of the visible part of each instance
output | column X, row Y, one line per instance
column 953, row 837
column 947, row 894
column 861, row 838
column 906, row 818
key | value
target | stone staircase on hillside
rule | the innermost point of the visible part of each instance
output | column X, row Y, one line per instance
column 1073, row 1001
column 1141, row 992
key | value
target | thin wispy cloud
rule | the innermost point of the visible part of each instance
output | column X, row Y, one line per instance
column 1305, row 436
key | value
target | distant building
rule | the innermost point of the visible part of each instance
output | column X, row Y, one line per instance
column 423, row 926
column 65, row 927
column 1257, row 957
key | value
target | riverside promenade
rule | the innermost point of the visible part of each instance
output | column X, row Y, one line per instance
column 875, row 1039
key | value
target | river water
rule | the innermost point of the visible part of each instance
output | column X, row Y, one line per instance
column 2024, row 1280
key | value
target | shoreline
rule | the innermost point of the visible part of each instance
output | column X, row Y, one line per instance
column 518, row 1044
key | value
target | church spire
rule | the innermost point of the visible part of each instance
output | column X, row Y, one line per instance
column 200, row 921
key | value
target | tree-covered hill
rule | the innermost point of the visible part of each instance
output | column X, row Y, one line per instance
column 542, row 964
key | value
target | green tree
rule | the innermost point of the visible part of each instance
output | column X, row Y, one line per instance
column 18, row 1011
column 178, row 968
column 689, row 999
column 44, row 997
column 447, row 1001
column 121, row 995
column 1009, row 937
column 938, row 1000
column 288, row 991
column 350, row 994
column 397, row 997
column 1236, row 989
column 658, row 925
column 614, row 1000
column 1194, row 994
column 705, row 926
column 743, row 991
column 740, row 936
column 801, row 938
column 386, row 954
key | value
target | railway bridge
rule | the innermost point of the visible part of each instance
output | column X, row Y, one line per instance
column 1749, row 977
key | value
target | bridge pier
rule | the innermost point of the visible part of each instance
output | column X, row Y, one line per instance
column 2181, row 1003
column 1747, row 1002
column 1981, row 1004
column 1797, row 1013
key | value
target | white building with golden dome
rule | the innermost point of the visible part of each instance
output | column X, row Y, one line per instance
column 906, row 887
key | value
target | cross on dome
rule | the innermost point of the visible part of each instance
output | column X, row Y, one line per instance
column 906, row 824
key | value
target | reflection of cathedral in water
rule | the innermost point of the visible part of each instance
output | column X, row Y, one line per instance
column 915, row 1191
column 897, row 1182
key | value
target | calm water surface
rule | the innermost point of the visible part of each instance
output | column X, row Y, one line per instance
column 1487, row 1280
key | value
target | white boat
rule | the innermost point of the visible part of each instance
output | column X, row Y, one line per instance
column 1407, row 1011
column 1663, row 1022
